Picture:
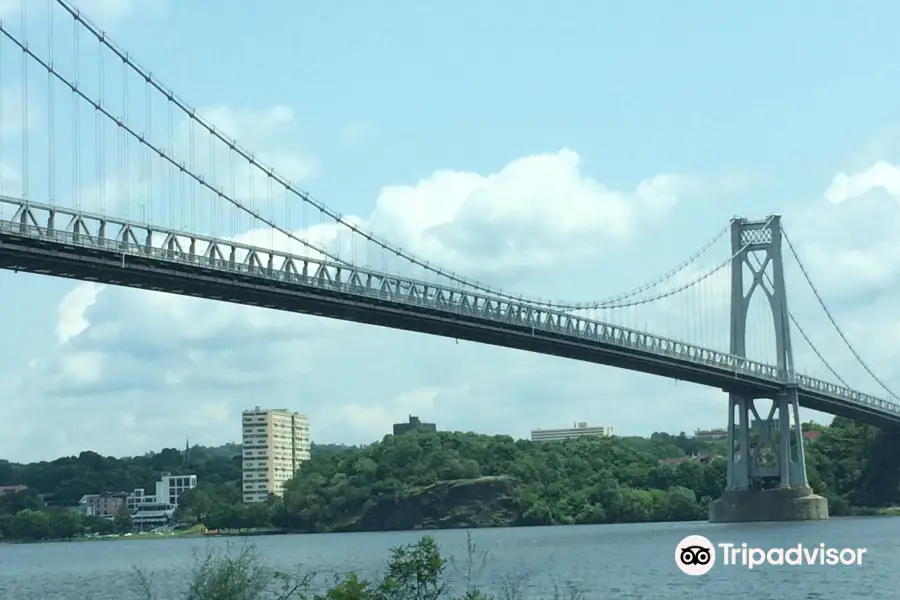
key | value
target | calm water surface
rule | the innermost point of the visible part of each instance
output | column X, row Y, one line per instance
column 604, row 561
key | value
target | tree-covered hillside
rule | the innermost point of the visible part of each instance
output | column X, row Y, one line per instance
column 452, row 479
column 67, row 479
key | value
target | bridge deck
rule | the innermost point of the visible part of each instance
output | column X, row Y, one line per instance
column 66, row 243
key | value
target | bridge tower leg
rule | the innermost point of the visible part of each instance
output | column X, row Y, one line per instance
column 766, row 469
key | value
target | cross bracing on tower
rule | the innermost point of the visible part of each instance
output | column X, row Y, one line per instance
column 99, row 155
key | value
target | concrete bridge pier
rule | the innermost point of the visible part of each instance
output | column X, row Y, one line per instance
column 766, row 478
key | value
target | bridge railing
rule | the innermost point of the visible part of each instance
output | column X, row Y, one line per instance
column 128, row 238
column 845, row 393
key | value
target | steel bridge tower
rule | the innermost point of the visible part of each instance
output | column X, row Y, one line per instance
column 766, row 473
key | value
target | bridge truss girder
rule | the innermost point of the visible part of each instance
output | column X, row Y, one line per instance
column 65, row 242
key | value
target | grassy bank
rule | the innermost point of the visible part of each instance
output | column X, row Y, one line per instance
column 195, row 531
column 891, row 511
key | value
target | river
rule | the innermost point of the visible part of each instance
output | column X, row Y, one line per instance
column 603, row 561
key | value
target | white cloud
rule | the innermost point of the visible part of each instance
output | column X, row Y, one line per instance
column 881, row 175
column 72, row 310
column 536, row 212
column 849, row 241
column 82, row 368
column 273, row 128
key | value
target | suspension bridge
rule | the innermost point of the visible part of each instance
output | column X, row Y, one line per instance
column 107, row 175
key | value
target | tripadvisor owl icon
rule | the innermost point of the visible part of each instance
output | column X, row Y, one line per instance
column 695, row 555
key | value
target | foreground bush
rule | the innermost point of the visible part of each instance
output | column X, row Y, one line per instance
column 413, row 572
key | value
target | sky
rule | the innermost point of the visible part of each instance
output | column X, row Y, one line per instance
column 573, row 152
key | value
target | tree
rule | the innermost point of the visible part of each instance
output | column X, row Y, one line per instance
column 99, row 525
column 65, row 524
column 259, row 514
column 13, row 502
column 30, row 525
column 67, row 479
column 123, row 522
column 415, row 571
column 195, row 504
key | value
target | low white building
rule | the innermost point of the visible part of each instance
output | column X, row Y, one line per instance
column 577, row 430
column 152, row 515
column 170, row 487
column 157, row 509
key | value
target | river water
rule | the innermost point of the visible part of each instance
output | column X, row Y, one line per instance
column 603, row 561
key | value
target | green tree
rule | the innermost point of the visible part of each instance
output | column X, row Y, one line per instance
column 6, row 526
column 415, row 572
column 452, row 479
column 13, row 502
column 259, row 514
column 123, row 523
column 99, row 525
column 30, row 525
column 67, row 479
column 65, row 524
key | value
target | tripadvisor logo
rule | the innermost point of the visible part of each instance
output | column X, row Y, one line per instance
column 696, row 555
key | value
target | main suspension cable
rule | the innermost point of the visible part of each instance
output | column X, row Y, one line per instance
column 671, row 292
column 799, row 328
column 305, row 196
column 832, row 319
column 73, row 86
column 611, row 302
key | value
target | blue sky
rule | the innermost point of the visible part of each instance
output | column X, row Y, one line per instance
column 571, row 151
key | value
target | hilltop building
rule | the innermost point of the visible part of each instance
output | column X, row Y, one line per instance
column 414, row 423
column 706, row 435
column 581, row 429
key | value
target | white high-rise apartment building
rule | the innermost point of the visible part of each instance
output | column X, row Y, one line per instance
column 275, row 444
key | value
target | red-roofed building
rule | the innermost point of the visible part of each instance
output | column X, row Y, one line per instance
column 811, row 436
column 12, row 489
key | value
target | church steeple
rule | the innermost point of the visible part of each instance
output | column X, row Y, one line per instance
column 187, row 451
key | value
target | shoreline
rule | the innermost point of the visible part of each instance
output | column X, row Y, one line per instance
column 893, row 511
column 148, row 536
